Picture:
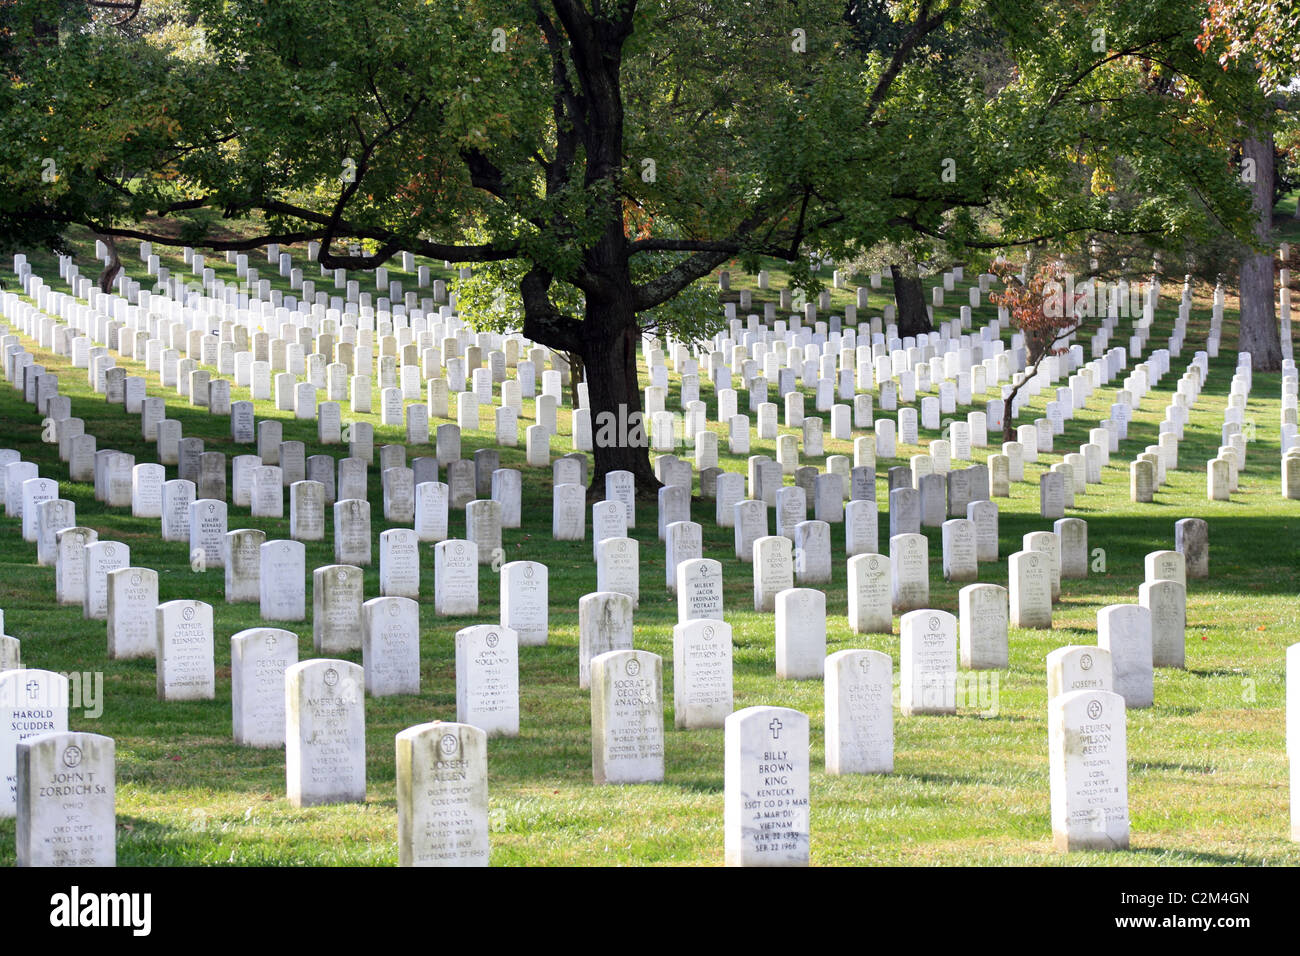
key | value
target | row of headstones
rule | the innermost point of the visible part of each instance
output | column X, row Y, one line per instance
column 890, row 359
column 899, row 582
column 793, row 414
column 65, row 781
column 334, row 335
column 1284, row 303
column 1222, row 471
column 301, row 397
column 1151, row 469
column 1087, row 463
column 260, row 488
column 282, row 594
column 213, row 548
column 82, row 563
column 626, row 721
column 542, row 455
column 1290, row 444
column 929, row 685
column 1175, row 346
column 167, row 433
column 889, row 340
column 283, row 261
column 119, row 482
column 120, row 389
column 1037, row 437
column 215, row 541
column 282, row 583
column 324, row 724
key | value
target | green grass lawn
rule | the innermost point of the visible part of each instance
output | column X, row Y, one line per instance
column 1286, row 227
column 1207, row 765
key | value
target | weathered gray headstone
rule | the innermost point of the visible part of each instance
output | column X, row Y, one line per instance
column 259, row 658
column 1088, row 768
column 984, row 613
column 909, row 558
column 70, row 565
column 859, row 712
column 184, row 657
column 1125, row 631
column 928, row 663
column 307, row 511
column 1192, row 540
column 325, row 733
column 390, row 646
column 455, row 577
column 442, row 795
column 627, row 717
column 766, row 809
column 132, row 622
column 604, row 624
column 337, row 595
column 352, row 532
column 1167, row 602
column 53, row 830
column 702, row 673
column 1072, row 534
column 773, row 570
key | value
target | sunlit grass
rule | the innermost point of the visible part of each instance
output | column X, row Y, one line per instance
column 1208, row 773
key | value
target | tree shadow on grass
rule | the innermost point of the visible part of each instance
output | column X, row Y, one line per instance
column 709, row 785
column 1263, row 547
column 1159, row 766
column 1182, row 854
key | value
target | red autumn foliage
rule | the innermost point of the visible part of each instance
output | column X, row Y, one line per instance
column 1039, row 309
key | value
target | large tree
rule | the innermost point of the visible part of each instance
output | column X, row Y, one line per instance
column 611, row 154
column 477, row 132
column 1262, row 36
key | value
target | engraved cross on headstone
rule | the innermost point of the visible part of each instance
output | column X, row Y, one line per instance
column 775, row 727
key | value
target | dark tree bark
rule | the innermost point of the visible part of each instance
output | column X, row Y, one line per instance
column 1258, row 333
column 577, row 375
column 913, row 319
column 614, row 389
column 1008, row 423
column 114, row 267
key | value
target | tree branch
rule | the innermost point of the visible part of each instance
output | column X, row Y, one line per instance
column 543, row 322
column 923, row 26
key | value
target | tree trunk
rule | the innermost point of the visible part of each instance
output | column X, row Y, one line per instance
column 577, row 375
column 110, row 273
column 913, row 319
column 620, row 437
column 1008, row 423
column 1258, row 333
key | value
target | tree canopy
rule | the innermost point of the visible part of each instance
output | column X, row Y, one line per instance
column 607, row 155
